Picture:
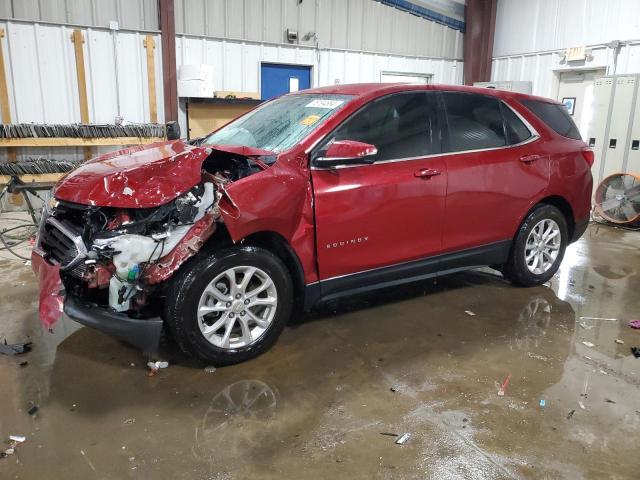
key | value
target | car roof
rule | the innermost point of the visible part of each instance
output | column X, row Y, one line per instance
column 378, row 89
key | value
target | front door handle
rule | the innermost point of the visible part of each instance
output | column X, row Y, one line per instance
column 426, row 173
column 529, row 158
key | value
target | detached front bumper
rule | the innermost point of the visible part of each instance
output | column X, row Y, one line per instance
column 141, row 333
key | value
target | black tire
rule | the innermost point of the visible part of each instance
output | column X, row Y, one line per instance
column 516, row 270
column 190, row 282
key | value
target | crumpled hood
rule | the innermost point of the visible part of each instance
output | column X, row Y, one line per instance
column 137, row 177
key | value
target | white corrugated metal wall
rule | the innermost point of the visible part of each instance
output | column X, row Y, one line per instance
column 532, row 35
column 355, row 41
column 41, row 77
column 237, row 63
column 360, row 25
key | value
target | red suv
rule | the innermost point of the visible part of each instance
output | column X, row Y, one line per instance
column 311, row 196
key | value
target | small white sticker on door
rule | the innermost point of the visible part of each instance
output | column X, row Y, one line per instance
column 329, row 104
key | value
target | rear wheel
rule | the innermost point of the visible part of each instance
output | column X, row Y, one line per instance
column 230, row 306
column 538, row 248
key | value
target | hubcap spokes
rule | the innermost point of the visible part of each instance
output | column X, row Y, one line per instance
column 237, row 307
column 542, row 247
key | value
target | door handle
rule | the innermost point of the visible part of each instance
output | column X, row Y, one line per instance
column 529, row 158
column 426, row 173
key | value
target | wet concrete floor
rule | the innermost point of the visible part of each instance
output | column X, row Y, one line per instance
column 407, row 359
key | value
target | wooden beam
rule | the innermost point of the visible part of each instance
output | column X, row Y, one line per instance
column 150, row 45
column 34, row 177
column 4, row 96
column 76, row 142
column 78, row 39
column 169, row 75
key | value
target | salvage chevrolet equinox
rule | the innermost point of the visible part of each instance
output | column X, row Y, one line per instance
column 311, row 196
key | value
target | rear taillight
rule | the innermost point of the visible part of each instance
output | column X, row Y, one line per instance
column 589, row 156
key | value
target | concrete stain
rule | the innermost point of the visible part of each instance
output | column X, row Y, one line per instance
column 316, row 405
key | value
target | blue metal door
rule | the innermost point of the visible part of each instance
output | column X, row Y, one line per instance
column 277, row 79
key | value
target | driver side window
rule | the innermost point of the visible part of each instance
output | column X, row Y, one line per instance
column 400, row 126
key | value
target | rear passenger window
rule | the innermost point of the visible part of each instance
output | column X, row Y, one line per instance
column 475, row 121
column 517, row 131
column 400, row 126
column 555, row 116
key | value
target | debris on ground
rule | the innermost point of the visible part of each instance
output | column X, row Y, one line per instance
column 619, row 342
column 585, row 326
column 608, row 400
column 634, row 323
column 33, row 409
column 14, row 441
column 23, row 364
column 635, row 351
column 582, row 405
column 537, row 357
column 129, row 421
column 504, row 386
column 389, row 434
column 570, row 414
column 588, row 344
column 394, row 388
column 15, row 348
column 209, row 369
column 600, row 318
column 543, row 403
column 155, row 366
column 404, row 438
column 470, row 313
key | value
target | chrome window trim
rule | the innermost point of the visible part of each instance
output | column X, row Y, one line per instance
column 531, row 139
column 534, row 136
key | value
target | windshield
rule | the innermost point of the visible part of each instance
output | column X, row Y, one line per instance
column 280, row 124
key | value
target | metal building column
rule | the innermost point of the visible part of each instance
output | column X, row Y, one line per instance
column 480, row 23
column 169, row 75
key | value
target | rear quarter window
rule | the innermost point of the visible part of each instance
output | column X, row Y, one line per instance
column 555, row 116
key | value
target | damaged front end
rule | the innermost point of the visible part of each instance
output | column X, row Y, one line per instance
column 104, row 260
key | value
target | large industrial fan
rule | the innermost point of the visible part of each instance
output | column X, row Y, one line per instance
column 618, row 198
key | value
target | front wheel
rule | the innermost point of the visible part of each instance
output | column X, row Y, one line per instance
column 229, row 306
column 538, row 248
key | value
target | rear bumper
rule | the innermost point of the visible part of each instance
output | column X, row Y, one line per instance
column 580, row 228
column 141, row 333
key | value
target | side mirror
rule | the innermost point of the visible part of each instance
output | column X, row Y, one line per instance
column 347, row 152
column 173, row 130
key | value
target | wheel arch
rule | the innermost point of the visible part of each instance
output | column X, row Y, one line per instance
column 561, row 204
column 564, row 206
column 278, row 245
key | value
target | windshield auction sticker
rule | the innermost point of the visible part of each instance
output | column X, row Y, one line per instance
column 309, row 120
column 320, row 103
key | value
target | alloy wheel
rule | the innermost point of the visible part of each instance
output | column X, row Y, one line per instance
column 542, row 247
column 237, row 307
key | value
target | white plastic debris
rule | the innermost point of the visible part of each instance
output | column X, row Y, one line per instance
column 157, row 365
column 470, row 313
column 17, row 438
column 588, row 344
column 404, row 438
column 619, row 342
column 209, row 369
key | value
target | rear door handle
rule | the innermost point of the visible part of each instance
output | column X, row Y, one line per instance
column 529, row 158
column 426, row 173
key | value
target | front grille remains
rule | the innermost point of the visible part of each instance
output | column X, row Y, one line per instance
column 62, row 245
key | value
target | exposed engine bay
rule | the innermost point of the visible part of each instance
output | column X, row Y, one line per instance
column 119, row 257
